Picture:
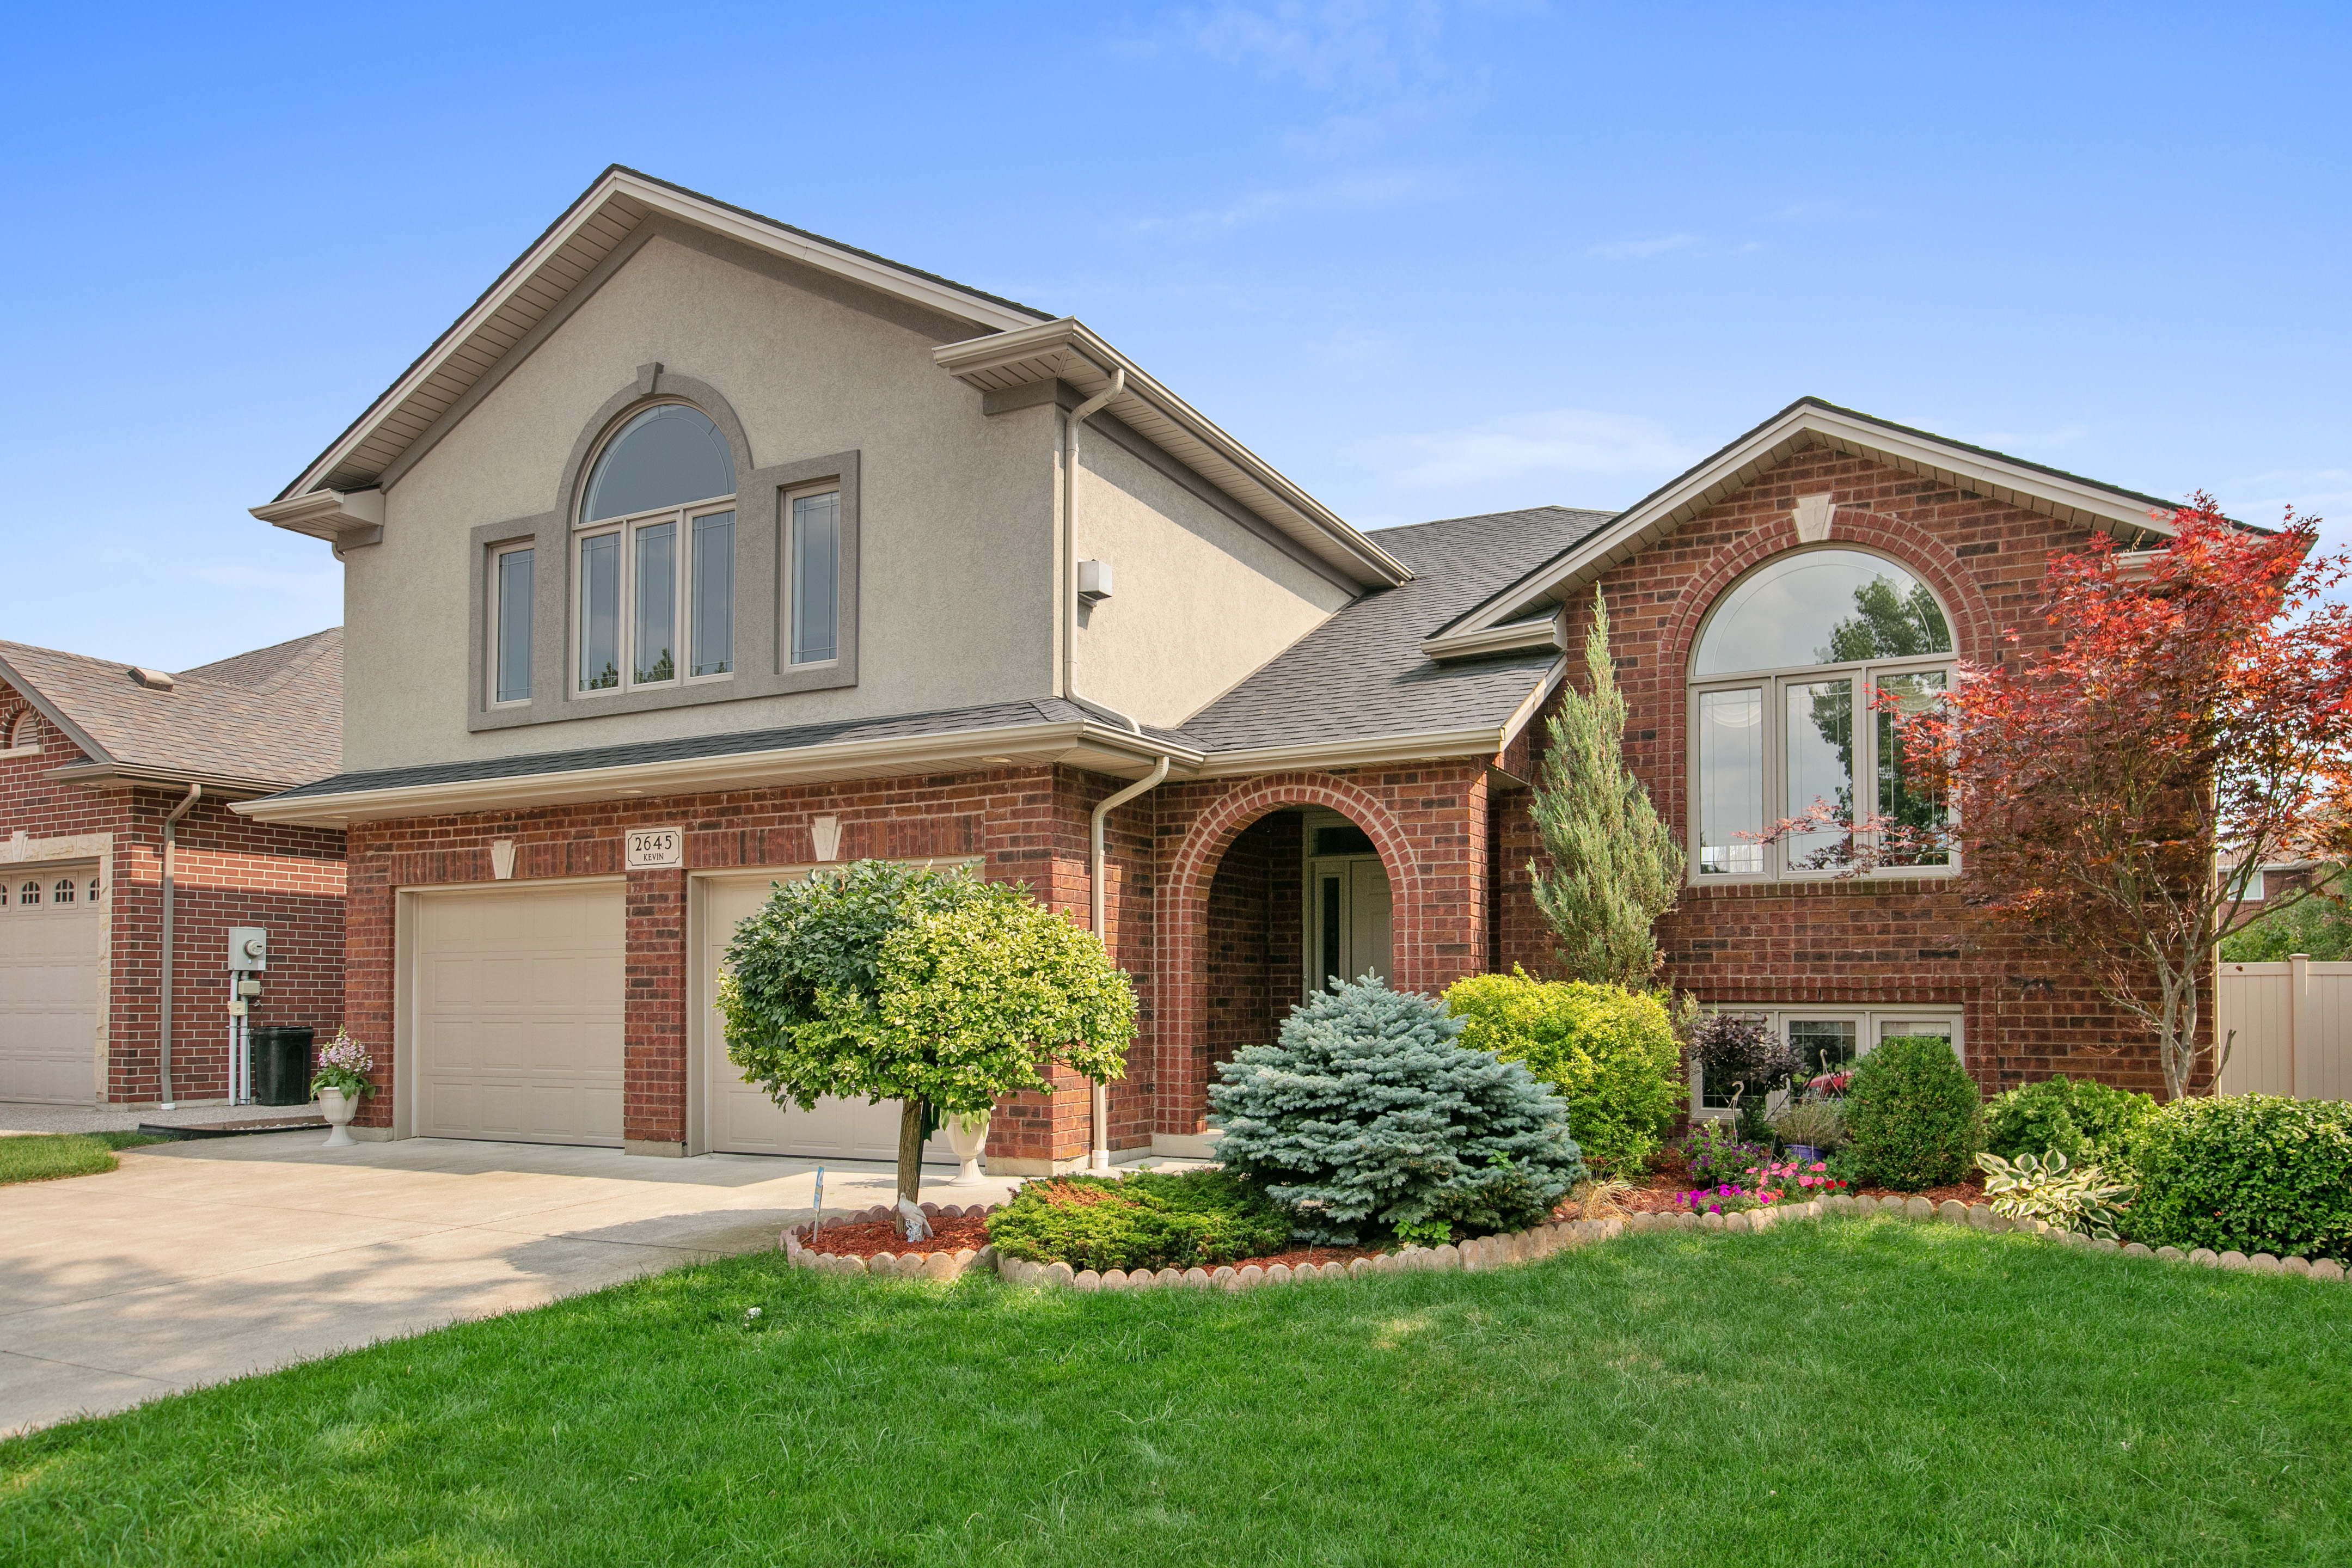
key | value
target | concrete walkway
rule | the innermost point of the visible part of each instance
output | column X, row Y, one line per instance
column 207, row 1261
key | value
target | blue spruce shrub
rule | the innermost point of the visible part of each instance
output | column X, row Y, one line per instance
column 1370, row 1117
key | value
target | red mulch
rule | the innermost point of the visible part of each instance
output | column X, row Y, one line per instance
column 867, row 1237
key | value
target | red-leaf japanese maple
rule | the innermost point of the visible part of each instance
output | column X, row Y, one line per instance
column 2119, row 791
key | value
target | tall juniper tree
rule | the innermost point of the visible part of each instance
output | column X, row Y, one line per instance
column 1615, row 867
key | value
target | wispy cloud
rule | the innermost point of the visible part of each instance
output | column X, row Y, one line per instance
column 1552, row 440
column 1370, row 192
column 2264, row 496
column 1636, row 249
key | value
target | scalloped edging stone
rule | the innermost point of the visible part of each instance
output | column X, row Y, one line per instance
column 1489, row 1252
column 887, row 1264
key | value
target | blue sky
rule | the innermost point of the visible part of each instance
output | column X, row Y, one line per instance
column 1427, row 260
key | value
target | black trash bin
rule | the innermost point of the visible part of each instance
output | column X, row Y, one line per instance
column 280, row 1056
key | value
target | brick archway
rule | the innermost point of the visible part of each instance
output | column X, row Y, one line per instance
column 1182, row 1008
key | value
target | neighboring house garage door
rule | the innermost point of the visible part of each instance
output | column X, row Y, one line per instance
column 49, row 987
column 517, row 1021
column 741, row 1118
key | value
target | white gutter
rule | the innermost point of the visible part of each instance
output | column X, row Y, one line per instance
column 171, row 839
column 1100, row 1160
column 1078, row 416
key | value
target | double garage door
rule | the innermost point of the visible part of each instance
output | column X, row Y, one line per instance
column 517, row 1025
column 49, row 985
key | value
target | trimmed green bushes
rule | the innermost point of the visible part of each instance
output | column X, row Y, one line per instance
column 2087, row 1121
column 1609, row 1052
column 1370, row 1117
column 1913, row 1116
column 2259, row 1173
column 1183, row 1220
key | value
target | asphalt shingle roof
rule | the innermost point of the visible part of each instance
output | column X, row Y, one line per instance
column 274, row 715
column 1362, row 673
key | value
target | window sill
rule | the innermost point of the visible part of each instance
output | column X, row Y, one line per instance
column 735, row 687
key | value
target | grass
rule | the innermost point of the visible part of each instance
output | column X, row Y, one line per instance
column 45, row 1156
column 1853, row 1392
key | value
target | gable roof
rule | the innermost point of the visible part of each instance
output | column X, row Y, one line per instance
column 251, row 723
column 537, row 281
column 1806, row 423
column 1362, row 677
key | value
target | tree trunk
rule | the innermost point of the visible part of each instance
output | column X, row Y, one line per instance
column 910, row 1148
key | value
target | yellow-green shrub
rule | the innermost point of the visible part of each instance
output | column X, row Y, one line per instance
column 1607, row 1051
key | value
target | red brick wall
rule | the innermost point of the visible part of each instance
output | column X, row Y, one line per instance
column 2027, row 1012
column 1026, row 824
column 229, row 871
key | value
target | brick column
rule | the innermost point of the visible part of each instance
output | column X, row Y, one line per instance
column 654, row 988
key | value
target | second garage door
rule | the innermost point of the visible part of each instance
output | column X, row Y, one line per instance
column 49, row 987
column 741, row 1119
column 517, row 1015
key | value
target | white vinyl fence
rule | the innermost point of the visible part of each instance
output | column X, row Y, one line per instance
column 2293, row 1023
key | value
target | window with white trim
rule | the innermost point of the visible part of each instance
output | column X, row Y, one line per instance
column 30, row 893
column 812, row 556
column 510, row 583
column 653, row 556
column 1831, row 1040
column 1783, row 716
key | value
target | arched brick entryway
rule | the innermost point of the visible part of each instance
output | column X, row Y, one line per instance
column 1444, row 799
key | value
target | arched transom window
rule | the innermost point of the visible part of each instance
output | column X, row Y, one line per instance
column 1783, row 720
column 655, row 563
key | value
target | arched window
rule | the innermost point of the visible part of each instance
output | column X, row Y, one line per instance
column 30, row 893
column 1782, row 713
column 655, row 560
column 63, row 893
column 19, row 729
column 94, row 885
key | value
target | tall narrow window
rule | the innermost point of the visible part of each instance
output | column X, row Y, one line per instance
column 1788, row 721
column 510, row 626
column 817, row 577
column 713, row 611
column 656, row 555
column 600, row 611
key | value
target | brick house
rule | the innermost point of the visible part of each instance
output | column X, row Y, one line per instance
column 702, row 551
column 113, row 779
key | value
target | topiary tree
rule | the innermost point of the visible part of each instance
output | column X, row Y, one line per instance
column 1369, row 1115
column 1913, row 1116
column 1615, row 867
column 928, row 987
column 1611, row 1053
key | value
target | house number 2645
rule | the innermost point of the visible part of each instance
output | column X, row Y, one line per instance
column 655, row 846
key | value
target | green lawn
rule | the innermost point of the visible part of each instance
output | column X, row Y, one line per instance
column 44, row 1156
column 1851, row 1392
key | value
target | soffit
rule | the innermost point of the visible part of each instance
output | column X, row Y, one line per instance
column 1067, row 349
column 543, row 275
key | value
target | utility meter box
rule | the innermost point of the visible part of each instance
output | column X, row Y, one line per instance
column 248, row 948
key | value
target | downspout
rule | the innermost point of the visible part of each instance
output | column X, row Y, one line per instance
column 1078, row 416
column 171, row 838
column 1100, row 1160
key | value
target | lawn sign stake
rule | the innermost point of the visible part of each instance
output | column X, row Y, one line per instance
column 816, row 1220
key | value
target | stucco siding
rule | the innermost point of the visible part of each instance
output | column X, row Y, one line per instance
column 956, row 540
column 1201, row 600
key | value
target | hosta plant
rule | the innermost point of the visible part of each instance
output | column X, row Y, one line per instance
column 2051, row 1187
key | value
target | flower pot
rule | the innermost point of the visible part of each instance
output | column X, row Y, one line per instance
column 967, row 1135
column 1804, row 1153
column 339, row 1109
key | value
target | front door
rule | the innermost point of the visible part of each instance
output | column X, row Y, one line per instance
column 1348, row 921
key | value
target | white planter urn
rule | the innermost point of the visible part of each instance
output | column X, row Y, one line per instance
column 967, row 1135
column 339, row 1109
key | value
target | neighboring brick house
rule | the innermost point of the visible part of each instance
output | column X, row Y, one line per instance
column 100, row 766
column 703, row 550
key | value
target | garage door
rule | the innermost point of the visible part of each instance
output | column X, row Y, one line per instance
column 741, row 1119
column 49, row 985
column 517, row 1015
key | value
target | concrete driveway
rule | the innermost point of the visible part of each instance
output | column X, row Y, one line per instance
column 207, row 1261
